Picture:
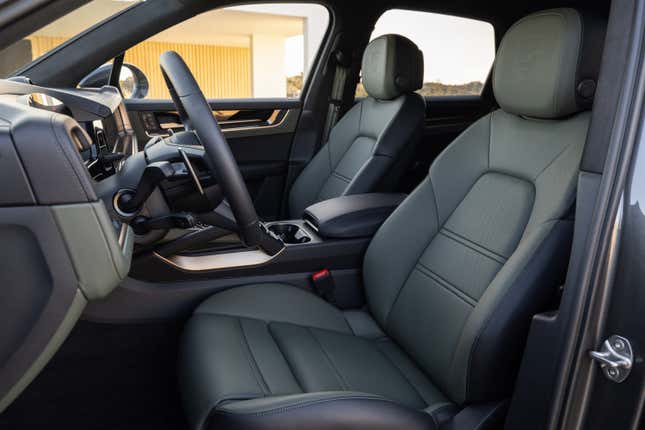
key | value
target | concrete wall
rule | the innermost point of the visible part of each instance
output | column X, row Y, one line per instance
column 267, row 59
column 233, row 52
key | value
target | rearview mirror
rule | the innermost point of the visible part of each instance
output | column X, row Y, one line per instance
column 132, row 81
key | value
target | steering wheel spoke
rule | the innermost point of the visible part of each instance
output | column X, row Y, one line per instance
column 196, row 112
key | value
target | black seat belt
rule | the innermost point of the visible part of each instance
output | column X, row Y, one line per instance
column 343, row 65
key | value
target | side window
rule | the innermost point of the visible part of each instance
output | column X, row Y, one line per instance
column 458, row 52
column 32, row 47
column 252, row 51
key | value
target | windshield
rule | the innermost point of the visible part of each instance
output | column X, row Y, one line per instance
column 53, row 35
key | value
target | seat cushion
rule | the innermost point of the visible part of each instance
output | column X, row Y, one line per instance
column 288, row 347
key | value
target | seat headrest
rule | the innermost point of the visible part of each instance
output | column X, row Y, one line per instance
column 392, row 65
column 547, row 64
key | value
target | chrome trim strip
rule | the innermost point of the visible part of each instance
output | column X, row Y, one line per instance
column 228, row 130
column 190, row 169
column 261, row 127
column 226, row 260
column 122, row 233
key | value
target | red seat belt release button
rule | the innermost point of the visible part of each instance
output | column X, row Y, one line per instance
column 321, row 274
column 324, row 284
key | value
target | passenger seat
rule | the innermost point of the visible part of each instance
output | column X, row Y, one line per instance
column 366, row 143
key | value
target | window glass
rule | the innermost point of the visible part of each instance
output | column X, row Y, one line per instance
column 250, row 51
column 58, row 32
column 458, row 52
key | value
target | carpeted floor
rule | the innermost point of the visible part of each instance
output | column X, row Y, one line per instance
column 105, row 377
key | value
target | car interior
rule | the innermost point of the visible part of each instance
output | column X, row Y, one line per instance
column 325, row 261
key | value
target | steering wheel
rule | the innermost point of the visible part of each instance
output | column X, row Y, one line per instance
column 197, row 115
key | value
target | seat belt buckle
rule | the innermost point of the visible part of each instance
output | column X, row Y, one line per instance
column 323, row 283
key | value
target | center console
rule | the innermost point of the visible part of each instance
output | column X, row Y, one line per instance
column 292, row 232
column 333, row 234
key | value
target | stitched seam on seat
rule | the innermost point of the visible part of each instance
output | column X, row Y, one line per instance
column 389, row 124
column 400, row 371
column 286, row 360
column 424, row 270
column 407, row 278
column 382, row 336
column 340, row 378
column 475, row 343
column 303, row 404
column 231, row 315
column 557, row 156
column 252, row 362
column 436, row 204
column 437, row 407
column 358, row 134
column 482, row 250
column 436, row 410
column 434, row 420
column 340, row 177
column 439, row 227
column 490, row 137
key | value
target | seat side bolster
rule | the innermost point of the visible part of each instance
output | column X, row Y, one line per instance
column 308, row 184
column 394, row 144
column 403, row 126
column 535, row 268
column 318, row 411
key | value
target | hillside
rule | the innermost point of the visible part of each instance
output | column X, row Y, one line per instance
column 294, row 87
column 439, row 89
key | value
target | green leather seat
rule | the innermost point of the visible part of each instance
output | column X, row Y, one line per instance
column 376, row 137
column 451, row 278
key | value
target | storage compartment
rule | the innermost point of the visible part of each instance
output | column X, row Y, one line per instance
column 289, row 233
column 353, row 216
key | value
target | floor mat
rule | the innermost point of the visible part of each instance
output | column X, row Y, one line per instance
column 105, row 377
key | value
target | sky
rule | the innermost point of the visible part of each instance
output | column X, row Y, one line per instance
column 456, row 50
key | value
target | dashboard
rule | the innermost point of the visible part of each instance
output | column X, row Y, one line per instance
column 113, row 141
column 108, row 138
column 61, row 246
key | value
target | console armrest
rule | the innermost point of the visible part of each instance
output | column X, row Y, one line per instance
column 356, row 215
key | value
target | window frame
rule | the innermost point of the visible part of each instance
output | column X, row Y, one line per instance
column 444, row 97
column 315, row 61
column 52, row 52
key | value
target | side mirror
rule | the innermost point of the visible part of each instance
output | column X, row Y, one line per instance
column 132, row 81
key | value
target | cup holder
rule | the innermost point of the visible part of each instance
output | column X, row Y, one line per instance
column 290, row 233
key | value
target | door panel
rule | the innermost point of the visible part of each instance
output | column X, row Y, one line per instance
column 259, row 132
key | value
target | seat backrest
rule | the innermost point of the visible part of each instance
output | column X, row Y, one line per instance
column 375, row 133
column 455, row 274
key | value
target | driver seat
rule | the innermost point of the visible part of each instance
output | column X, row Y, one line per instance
column 377, row 136
column 452, row 278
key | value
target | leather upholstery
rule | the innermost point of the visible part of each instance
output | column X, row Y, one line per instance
column 271, row 341
column 492, row 200
column 392, row 65
column 321, row 411
column 376, row 133
column 544, row 67
column 452, row 279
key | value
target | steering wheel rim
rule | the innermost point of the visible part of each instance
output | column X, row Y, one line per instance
column 194, row 110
